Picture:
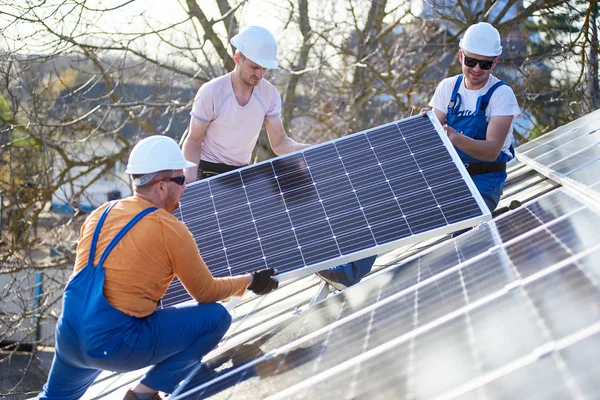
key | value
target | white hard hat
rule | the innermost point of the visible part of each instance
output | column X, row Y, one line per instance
column 483, row 39
column 258, row 45
column 156, row 153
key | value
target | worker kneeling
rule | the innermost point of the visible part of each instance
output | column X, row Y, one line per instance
column 128, row 253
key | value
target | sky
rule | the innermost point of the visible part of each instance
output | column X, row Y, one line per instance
column 136, row 17
column 142, row 15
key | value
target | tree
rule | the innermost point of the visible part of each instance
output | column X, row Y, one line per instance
column 76, row 91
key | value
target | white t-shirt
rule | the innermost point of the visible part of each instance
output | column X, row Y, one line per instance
column 502, row 102
column 233, row 129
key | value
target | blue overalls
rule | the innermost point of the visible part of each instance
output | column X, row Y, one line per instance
column 490, row 184
column 92, row 335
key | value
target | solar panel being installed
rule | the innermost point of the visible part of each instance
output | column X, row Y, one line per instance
column 356, row 196
column 466, row 326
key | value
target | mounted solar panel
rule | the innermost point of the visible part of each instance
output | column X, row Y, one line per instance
column 360, row 195
column 476, row 325
column 555, row 136
column 569, row 155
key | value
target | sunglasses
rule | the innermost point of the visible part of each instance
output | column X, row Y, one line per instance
column 180, row 180
column 472, row 62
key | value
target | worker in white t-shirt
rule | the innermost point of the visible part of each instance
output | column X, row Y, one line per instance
column 229, row 111
column 477, row 111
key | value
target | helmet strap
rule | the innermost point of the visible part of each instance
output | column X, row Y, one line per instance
column 144, row 179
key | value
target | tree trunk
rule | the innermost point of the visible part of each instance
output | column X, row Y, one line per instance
column 593, row 66
column 367, row 42
column 289, row 98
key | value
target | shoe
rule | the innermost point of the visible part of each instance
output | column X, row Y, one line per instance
column 130, row 395
column 335, row 279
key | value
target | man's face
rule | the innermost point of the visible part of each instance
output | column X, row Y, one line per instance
column 173, row 191
column 475, row 76
column 248, row 71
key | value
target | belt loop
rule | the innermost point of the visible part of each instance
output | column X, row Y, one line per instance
column 467, row 165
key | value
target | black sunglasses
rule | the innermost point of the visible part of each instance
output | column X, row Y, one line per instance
column 472, row 62
column 180, row 180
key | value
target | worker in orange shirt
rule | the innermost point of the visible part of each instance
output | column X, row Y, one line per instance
column 128, row 253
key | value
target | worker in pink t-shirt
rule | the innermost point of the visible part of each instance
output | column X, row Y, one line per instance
column 229, row 111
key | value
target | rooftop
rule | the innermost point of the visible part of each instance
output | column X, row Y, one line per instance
column 508, row 309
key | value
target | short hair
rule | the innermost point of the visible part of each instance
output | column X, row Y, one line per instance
column 146, row 185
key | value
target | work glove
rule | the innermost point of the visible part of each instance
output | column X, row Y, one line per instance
column 262, row 283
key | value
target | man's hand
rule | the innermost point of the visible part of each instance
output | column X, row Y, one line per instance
column 262, row 281
column 424, row 111
column 453, row 135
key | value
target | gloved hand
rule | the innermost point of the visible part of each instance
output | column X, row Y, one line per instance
column 262, row 283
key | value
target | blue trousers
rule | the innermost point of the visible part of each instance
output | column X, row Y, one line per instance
column 490, row 187
column 173, row 340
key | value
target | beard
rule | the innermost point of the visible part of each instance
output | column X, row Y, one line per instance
column 173, row 206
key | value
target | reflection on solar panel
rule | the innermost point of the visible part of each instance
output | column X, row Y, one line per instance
column 568, row 154
column 357, row 196
column 508, row 308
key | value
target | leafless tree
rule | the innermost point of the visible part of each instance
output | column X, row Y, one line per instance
column 75, row 93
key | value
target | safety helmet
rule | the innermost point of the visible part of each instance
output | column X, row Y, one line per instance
column 482, row 39
column 258, row 45
column 156, row 153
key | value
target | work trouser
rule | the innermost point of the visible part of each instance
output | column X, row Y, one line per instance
column 208, row 169
column 173, row 340
column 490, row 187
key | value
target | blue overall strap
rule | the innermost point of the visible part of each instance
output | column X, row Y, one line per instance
column 97, row 232
column 484, row 100
column 455, row 94
column 123, row 231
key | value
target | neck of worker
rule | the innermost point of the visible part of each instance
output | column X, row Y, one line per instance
column 239, row 86
column 151, row 197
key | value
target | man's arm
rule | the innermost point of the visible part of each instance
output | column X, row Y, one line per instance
column 280, row 142
column 191, row 147
column 192, row 271
column 488, row 149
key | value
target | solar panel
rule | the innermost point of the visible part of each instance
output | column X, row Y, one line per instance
column 478, row 326
column 588, row 175
column 566, row 129
column 562, row 153
column 356, row 196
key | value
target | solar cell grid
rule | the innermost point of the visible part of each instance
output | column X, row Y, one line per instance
column 578, row 160
column 478, row 340
column 328, row 202
column 581, row 359
column 566, row 144
column 368, row 330
column 588, row 175
column 532, row 216
column 567, row 150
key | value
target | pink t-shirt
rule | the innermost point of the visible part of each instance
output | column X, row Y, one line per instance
column 233, row 129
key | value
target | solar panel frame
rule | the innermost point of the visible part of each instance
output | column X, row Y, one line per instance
column 348, row 144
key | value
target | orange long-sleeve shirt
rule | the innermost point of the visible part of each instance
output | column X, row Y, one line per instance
column 141, row 266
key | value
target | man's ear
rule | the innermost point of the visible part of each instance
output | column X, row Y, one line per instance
column 237, row 58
